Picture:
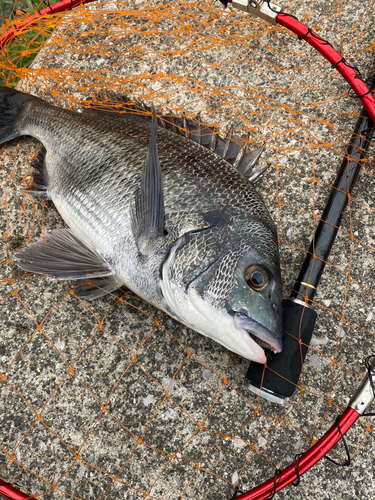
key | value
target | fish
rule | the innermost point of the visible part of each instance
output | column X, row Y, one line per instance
column 158, row 204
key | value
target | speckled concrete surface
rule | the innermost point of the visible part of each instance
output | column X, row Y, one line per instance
column 112, row 398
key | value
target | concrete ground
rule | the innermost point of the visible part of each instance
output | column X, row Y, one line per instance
column 114, row 399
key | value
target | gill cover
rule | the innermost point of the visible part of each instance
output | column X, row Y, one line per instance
column 205, row 285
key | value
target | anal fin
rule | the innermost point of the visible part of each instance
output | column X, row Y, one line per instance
column 64, row 256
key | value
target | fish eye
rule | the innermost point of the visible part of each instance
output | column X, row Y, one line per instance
column 257, row 278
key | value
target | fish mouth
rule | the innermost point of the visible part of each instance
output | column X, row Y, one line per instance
column 258, row 333
column 261, row 342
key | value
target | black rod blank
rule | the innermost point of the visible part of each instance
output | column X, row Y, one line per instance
column 328, row 226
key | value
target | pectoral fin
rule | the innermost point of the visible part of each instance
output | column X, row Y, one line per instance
column 147, row 204
column 96, row 287
column 64, row 256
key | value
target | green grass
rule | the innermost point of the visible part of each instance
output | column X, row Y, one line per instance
column 6, row 7
column 23, row 49
column 9, row 7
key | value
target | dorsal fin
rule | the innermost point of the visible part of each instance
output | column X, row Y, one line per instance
column 147, row 204
column 247, row 167
column 39, row 187
column 114, row 105
column 232, row 149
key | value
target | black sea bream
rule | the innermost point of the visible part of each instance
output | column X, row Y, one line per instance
column 155, row 211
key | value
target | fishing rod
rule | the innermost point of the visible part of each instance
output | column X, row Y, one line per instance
column 280, row 377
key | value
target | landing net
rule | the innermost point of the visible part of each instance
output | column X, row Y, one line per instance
column 112, row 398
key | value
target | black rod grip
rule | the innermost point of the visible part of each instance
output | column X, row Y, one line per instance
column 282, row 371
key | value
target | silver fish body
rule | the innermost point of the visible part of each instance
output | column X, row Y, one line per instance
column 202, row 248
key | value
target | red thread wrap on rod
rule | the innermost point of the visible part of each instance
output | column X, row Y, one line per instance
column 307, row 460
column 333, row 57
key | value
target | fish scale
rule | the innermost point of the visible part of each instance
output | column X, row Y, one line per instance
column 158, row 211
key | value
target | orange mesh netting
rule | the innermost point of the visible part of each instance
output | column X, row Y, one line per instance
column 114, row 399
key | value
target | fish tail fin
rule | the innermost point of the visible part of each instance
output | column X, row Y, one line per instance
column 11, row 105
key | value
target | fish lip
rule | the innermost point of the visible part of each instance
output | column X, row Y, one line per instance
column 264, row 337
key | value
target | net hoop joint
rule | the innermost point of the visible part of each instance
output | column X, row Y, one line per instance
column 305, row 461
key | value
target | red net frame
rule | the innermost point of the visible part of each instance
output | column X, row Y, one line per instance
column 366, row 100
